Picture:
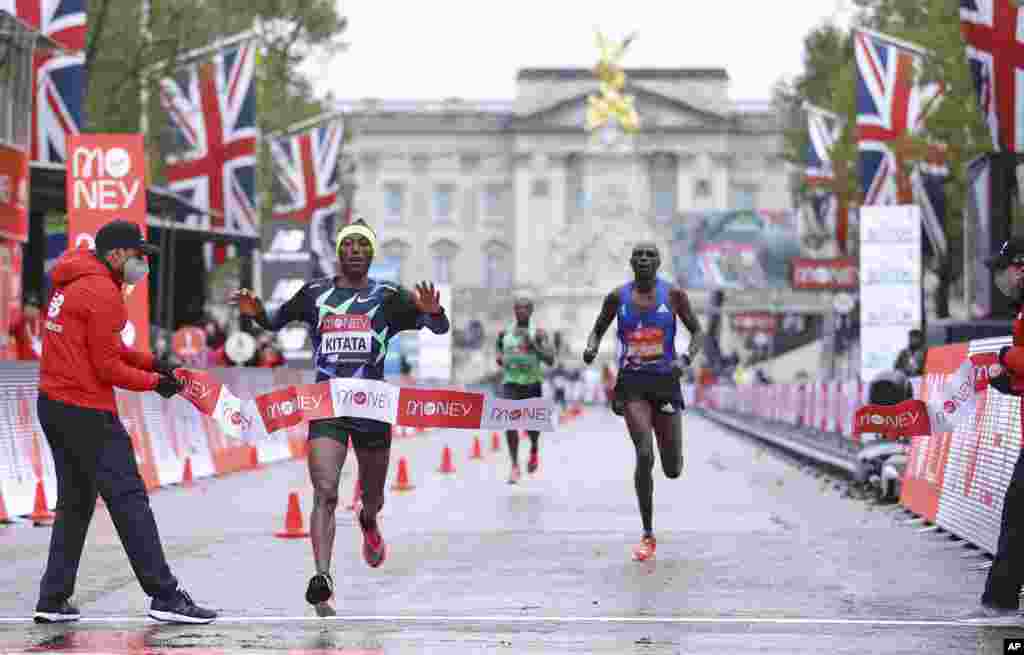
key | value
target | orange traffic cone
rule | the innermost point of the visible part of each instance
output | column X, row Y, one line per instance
column 186, row 477
column 446, row 461
column 357, row 492
column 402, row 483
column 476, row 454
column 41, row 515
column 495, row 442
column 293, row 520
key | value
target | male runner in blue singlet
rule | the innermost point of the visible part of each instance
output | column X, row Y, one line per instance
column 647, row 391
column 353, row 317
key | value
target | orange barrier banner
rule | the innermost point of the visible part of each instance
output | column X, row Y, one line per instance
column 922, row 479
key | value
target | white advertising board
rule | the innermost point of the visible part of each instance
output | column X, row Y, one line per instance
column 890, row 283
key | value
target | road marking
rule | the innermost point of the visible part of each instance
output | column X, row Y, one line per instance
column 543, row 619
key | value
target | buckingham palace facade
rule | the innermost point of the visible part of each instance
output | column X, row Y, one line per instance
column 508, row 197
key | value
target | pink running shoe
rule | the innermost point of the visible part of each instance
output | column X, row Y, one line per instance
column 375, row 551
column 533, row 463
column 645, row 549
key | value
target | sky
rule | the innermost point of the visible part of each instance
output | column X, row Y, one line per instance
column 411, row 49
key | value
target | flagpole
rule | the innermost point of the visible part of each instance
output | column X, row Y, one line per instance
column 809, row 108
column 145, row 11
column 255, row 268
column 309, row 122
column 900, row 43
column 199, row 53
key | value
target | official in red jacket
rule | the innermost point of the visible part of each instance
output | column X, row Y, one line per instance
column 83, row 359
column 1001, row 599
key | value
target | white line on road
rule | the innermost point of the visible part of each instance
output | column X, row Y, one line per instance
column 541, row 619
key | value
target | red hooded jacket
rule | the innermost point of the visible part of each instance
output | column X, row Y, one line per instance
column 83, row 355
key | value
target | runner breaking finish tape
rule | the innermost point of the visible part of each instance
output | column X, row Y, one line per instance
column 352, row 318
column 255, row 419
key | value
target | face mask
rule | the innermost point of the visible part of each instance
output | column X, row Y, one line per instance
column 1008, row 283
column 135, row 268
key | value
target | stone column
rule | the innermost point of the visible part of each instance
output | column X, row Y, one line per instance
column 522, row 176
column 557, row 188
column 422, row 214
column 721, row 163
column 702, row 169
column 685, row 171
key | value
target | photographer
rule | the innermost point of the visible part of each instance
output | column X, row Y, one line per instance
column 1001, row 598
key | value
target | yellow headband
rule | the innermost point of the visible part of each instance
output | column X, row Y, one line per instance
column 356, row 230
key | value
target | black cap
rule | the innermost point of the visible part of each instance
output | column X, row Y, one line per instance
column 122, row 234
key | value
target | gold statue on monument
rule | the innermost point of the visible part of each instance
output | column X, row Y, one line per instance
column 611, row 104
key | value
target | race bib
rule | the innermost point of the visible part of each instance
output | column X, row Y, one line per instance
column 645, row 344
column 348, row 336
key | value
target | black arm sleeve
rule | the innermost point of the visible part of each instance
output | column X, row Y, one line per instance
column 299, row 307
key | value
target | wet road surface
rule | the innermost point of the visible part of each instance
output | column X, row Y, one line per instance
column 754, row 555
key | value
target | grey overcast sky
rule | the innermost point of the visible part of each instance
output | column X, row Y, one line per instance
column 420, row 49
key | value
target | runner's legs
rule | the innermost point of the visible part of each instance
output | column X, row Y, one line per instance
column 373, row 473
column 638, row 415
column 669, row 430
column 326, row 459
column 512, row 437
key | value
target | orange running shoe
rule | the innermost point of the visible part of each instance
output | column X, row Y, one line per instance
column 531, row 466
column 513, row 477
column 645, row 550
column 375, row 551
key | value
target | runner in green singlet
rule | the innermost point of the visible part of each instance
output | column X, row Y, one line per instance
column 521, row 350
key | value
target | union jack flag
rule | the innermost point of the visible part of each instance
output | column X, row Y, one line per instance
column 212, row 163
column 307, row 175
column 306, row 185
column 58, row 83
column 823, row 128
column 890, row 107
column 995, row 52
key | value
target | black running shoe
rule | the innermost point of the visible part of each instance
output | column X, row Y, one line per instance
column 320, row 589
column 180, row 608
column 51, row 612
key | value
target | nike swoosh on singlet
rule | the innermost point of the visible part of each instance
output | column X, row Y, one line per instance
column 358, row 299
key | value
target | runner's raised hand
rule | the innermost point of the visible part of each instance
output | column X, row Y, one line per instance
column 249, row 304
column 428, row 299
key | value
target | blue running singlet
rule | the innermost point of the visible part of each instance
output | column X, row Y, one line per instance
column 647, row 339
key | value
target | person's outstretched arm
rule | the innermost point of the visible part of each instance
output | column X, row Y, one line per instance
column 411, row 311
column 681, row 305
column 609, row 309
column 296, row 309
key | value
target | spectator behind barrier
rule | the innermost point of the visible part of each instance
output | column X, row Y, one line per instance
column 890, row 388
column 26, row 329
column 911, row 359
